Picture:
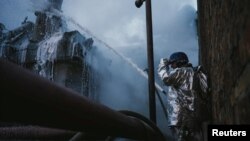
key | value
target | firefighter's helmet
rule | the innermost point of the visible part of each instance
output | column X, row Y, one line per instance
column 179, row 58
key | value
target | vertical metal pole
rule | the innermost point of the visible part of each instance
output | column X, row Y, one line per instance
column 150, row 53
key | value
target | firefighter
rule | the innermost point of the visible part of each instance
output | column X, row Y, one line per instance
column 181, row 94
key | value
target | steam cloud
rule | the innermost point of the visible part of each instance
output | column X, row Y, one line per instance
column 121, row 25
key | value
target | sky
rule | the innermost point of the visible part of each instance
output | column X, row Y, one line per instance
column 122, row 26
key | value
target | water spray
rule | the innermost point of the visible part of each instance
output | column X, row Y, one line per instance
column 129, row 61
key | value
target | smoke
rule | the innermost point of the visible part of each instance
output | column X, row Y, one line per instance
column 13, row 12
column 173, row 26
column 115, row 75
column 121, row 25
column 39, row 5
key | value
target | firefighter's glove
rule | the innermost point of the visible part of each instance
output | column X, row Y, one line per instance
column 163, row 68
column 163, row 64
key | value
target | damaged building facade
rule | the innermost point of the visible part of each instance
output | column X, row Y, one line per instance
column 47, row 48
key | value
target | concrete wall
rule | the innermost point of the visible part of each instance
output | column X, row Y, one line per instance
column 224, row 40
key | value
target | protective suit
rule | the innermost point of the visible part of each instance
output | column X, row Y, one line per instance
column 180, row 92
column 183, row 83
